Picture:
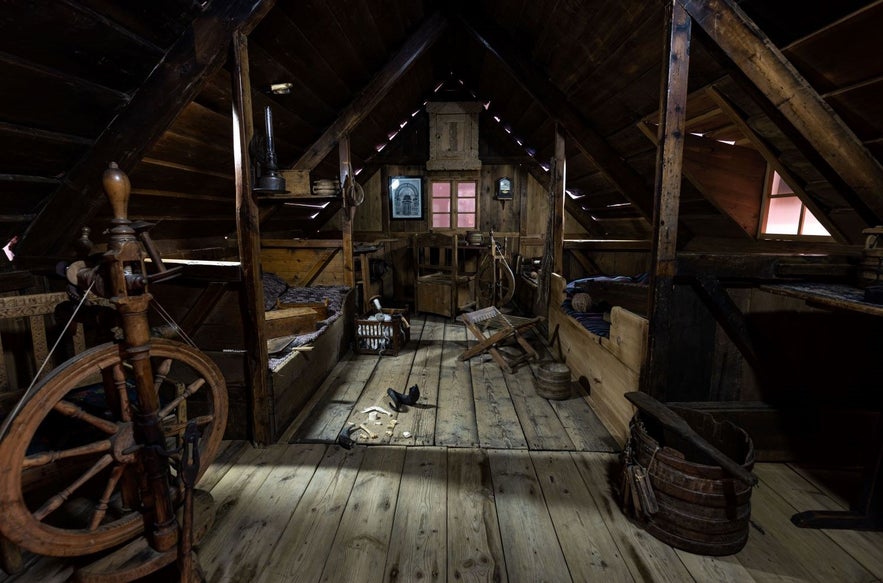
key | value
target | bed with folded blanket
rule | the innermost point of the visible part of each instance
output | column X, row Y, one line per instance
column 299, row 362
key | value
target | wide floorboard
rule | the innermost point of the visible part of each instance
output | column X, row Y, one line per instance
column 492, row 483
column 315, row 512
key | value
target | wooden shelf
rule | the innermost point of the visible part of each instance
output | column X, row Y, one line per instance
column 829, row 295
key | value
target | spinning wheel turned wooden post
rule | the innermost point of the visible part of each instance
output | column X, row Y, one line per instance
column 88, row 461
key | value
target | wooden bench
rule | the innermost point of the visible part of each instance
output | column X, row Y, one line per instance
column 26, row 316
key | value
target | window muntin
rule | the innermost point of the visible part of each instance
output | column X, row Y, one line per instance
column 785, row 214
column 454, row 204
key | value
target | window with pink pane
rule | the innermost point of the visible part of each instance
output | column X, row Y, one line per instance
column 786, row 214
column 783, row 216
column 441, row 205
column 454, row 204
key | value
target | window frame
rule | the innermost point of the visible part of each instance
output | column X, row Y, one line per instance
column 454, row 181
column 765, row 207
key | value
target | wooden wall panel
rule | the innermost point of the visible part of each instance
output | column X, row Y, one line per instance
column 369, row 215
column 298, row 265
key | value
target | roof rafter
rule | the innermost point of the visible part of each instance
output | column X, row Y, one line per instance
column 765, row 65
column 556, row 105
column 423, row 38
column 178, row 78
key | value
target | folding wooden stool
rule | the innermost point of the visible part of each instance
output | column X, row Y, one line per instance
column 491, row 327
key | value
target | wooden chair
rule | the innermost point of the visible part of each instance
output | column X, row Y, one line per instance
column 439, row 286
column 22, row 317
column 25, row 316
column 491, row 327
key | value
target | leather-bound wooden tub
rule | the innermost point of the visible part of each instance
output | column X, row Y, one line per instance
column 702, row 508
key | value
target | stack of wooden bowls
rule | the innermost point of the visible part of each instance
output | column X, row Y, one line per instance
column 871, row 267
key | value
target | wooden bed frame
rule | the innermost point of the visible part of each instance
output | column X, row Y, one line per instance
column 607, row 367
column 293, row 383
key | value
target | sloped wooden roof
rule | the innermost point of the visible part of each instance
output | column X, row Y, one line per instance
column 87, row 81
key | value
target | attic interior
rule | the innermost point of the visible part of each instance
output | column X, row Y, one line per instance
column 702, row 176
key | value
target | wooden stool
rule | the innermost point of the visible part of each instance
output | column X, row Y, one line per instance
column 491, row 327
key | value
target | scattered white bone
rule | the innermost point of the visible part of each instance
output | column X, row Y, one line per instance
column 377, row 409
column 372, row 416
column 406, row 434
column 370, row 433
column 378, row 423
column 389, row 433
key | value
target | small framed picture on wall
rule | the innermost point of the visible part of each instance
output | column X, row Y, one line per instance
column 406, row 197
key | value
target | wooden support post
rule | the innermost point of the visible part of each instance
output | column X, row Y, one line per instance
column 559, row 187
column 669, row 162
column 349, row 211
column 248, row 231
column 753, row 52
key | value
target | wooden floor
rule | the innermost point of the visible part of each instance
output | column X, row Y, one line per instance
column 493, row 485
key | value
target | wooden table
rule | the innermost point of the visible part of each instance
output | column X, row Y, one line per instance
column 867, row 512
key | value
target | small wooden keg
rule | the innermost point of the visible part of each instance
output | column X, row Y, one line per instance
column 553, row 380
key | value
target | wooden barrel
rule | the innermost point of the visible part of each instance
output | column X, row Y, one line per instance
column 702, row 509
column 553, row 380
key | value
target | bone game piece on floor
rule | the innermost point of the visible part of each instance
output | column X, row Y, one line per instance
column 376, row 409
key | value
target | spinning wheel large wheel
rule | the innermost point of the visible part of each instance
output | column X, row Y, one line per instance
column 70, row 477
column 495, row 283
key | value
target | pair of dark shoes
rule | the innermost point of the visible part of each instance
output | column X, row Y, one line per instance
column 399, row 399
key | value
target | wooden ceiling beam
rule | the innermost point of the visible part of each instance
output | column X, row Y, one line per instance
column 423, row 38
column 765, row 65
column 557, row 106
column 44, row 135
column 570, row 205
column 178, row 78
column 772, row 159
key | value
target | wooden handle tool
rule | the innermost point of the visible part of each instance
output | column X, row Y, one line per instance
column 676, row 423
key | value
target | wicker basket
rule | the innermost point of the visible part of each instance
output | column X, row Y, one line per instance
column 382, row 337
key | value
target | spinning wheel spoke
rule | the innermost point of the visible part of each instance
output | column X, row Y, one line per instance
column 48, row 457
column 188, row 392
column 177, row 427
column 101, row 507
column 55, row 501
column 75, row 412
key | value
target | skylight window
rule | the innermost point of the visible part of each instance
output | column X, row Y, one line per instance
column 784, row 214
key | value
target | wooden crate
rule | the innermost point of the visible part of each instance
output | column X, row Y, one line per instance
column 379, row 337
column 289, row 321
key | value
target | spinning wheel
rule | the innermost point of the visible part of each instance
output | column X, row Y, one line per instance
column 69, row 476
column 90, row 457
column 494, row 281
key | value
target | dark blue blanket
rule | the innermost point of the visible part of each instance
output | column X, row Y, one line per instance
column 593, row 320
